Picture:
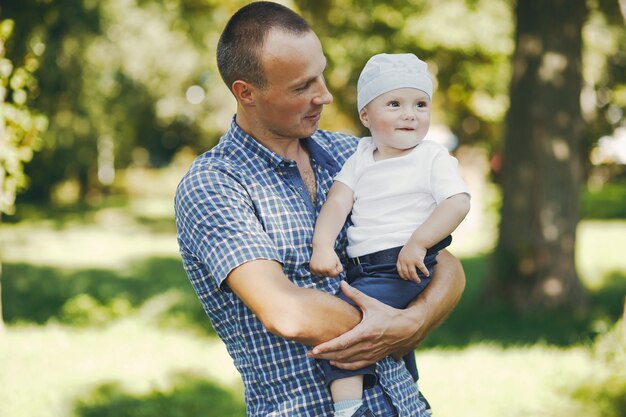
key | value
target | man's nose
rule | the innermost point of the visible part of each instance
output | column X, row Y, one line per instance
column 323, row 96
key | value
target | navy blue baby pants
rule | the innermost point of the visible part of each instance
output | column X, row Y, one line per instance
column 377, row 276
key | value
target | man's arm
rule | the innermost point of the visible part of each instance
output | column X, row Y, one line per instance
column 217, row 222
column 437, row 302
column 386, row 331
column 301, row 314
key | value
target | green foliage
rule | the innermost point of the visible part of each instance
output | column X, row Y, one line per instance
column 606, row 202
column 20, row 127
column 117, row 73
column 603, row 394
column 115, row 82
column 604, row 56
column 85, row 310
column 467, row 44
column 189, row 395
column 91, row 297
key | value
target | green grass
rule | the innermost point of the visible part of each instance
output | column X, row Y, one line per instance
column 190, row 396
column 117, row 370
column 102, row 322
column 489, row 380
column 606, row 202
column 87, row 297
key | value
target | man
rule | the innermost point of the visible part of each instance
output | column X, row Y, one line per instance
column 245, row 215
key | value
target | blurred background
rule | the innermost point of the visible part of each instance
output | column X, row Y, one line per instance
column 104, row 104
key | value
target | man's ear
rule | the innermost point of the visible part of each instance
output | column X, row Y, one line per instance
column 243, row 91
column 364, row 119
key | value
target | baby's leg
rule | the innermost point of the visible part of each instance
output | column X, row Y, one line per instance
column 350, row 388
column 347, row 395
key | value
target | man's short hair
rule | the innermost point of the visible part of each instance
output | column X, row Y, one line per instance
column 240, row 45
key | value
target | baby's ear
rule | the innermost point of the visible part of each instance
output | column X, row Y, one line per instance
column 364, row 119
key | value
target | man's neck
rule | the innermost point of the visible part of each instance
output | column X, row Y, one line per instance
column 288, row 148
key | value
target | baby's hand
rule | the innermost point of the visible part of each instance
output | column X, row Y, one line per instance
column 325, row 262
column 410, row 259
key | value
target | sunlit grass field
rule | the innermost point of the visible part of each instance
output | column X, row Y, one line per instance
column 101, row 322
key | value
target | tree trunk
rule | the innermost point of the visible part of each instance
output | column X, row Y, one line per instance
column 542, row 160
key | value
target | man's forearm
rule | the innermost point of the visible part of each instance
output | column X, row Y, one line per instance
column 301, row 314
column 321, row 317
column 385, row 330
column 440, row 298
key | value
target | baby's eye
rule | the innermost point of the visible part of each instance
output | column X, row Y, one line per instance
column 393, row 103
column 422, row 104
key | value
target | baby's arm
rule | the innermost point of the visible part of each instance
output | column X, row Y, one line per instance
column 446, row 217
column 324, row 260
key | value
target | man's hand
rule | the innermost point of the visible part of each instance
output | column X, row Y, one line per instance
column 410, row 259
column 325, row 262
column 383, row 331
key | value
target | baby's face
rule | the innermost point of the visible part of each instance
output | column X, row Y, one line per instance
column 398, row 120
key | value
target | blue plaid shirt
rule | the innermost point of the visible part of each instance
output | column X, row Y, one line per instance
column 240, row 202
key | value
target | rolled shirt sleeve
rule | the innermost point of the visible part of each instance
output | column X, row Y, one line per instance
column 218, row 224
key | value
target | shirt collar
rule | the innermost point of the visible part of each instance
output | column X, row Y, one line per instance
column 321, row 155
column 238, row 138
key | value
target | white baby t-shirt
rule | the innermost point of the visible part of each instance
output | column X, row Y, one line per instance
column 394, row 196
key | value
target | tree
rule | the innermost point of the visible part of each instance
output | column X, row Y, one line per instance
column 113, row 80
column 467, row 44
column 116, row 73
column 20, row 128
column 533, row 264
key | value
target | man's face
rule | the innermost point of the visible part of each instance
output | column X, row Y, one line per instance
column 398, row 120
column 291, row 104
